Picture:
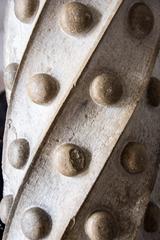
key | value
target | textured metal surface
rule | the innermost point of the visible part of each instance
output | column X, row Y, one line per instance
column 125, row 195
column 127, row 198
column 43, row 55
column 84, row 164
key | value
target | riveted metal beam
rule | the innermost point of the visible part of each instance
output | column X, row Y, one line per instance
column 96, row 130
column 48, row 45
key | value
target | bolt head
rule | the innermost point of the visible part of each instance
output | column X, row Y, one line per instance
column 152, row 218
column 9, row 75
column 69, row 159
column 153, row 93
column 134, row 158
column 140, row 20
column 26, row 10
column 75, row 18
column 42, row 88
column 36, row 224
column 18, row 153
column 101, row 226
column 5, row 207
column 106, row 89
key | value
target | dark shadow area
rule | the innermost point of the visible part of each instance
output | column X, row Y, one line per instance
column 3, row 109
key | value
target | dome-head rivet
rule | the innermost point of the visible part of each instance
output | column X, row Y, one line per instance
column 42, row 88
column 106, row 89
column 69, row 159
column 5, row 207
column 153, row 93
column 140, row 20
column 18, row 153
column 101, row 226
column 25, row 10
column 134, row 158
column 152, row 218
column 36, row 223
column 9, row 75
column 75, row 18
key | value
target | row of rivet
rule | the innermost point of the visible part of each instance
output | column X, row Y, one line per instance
column 105, row 89
column 25, row 11
column 101, row 225
column 70, row 159
column 140, row 21
column 76, row 18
